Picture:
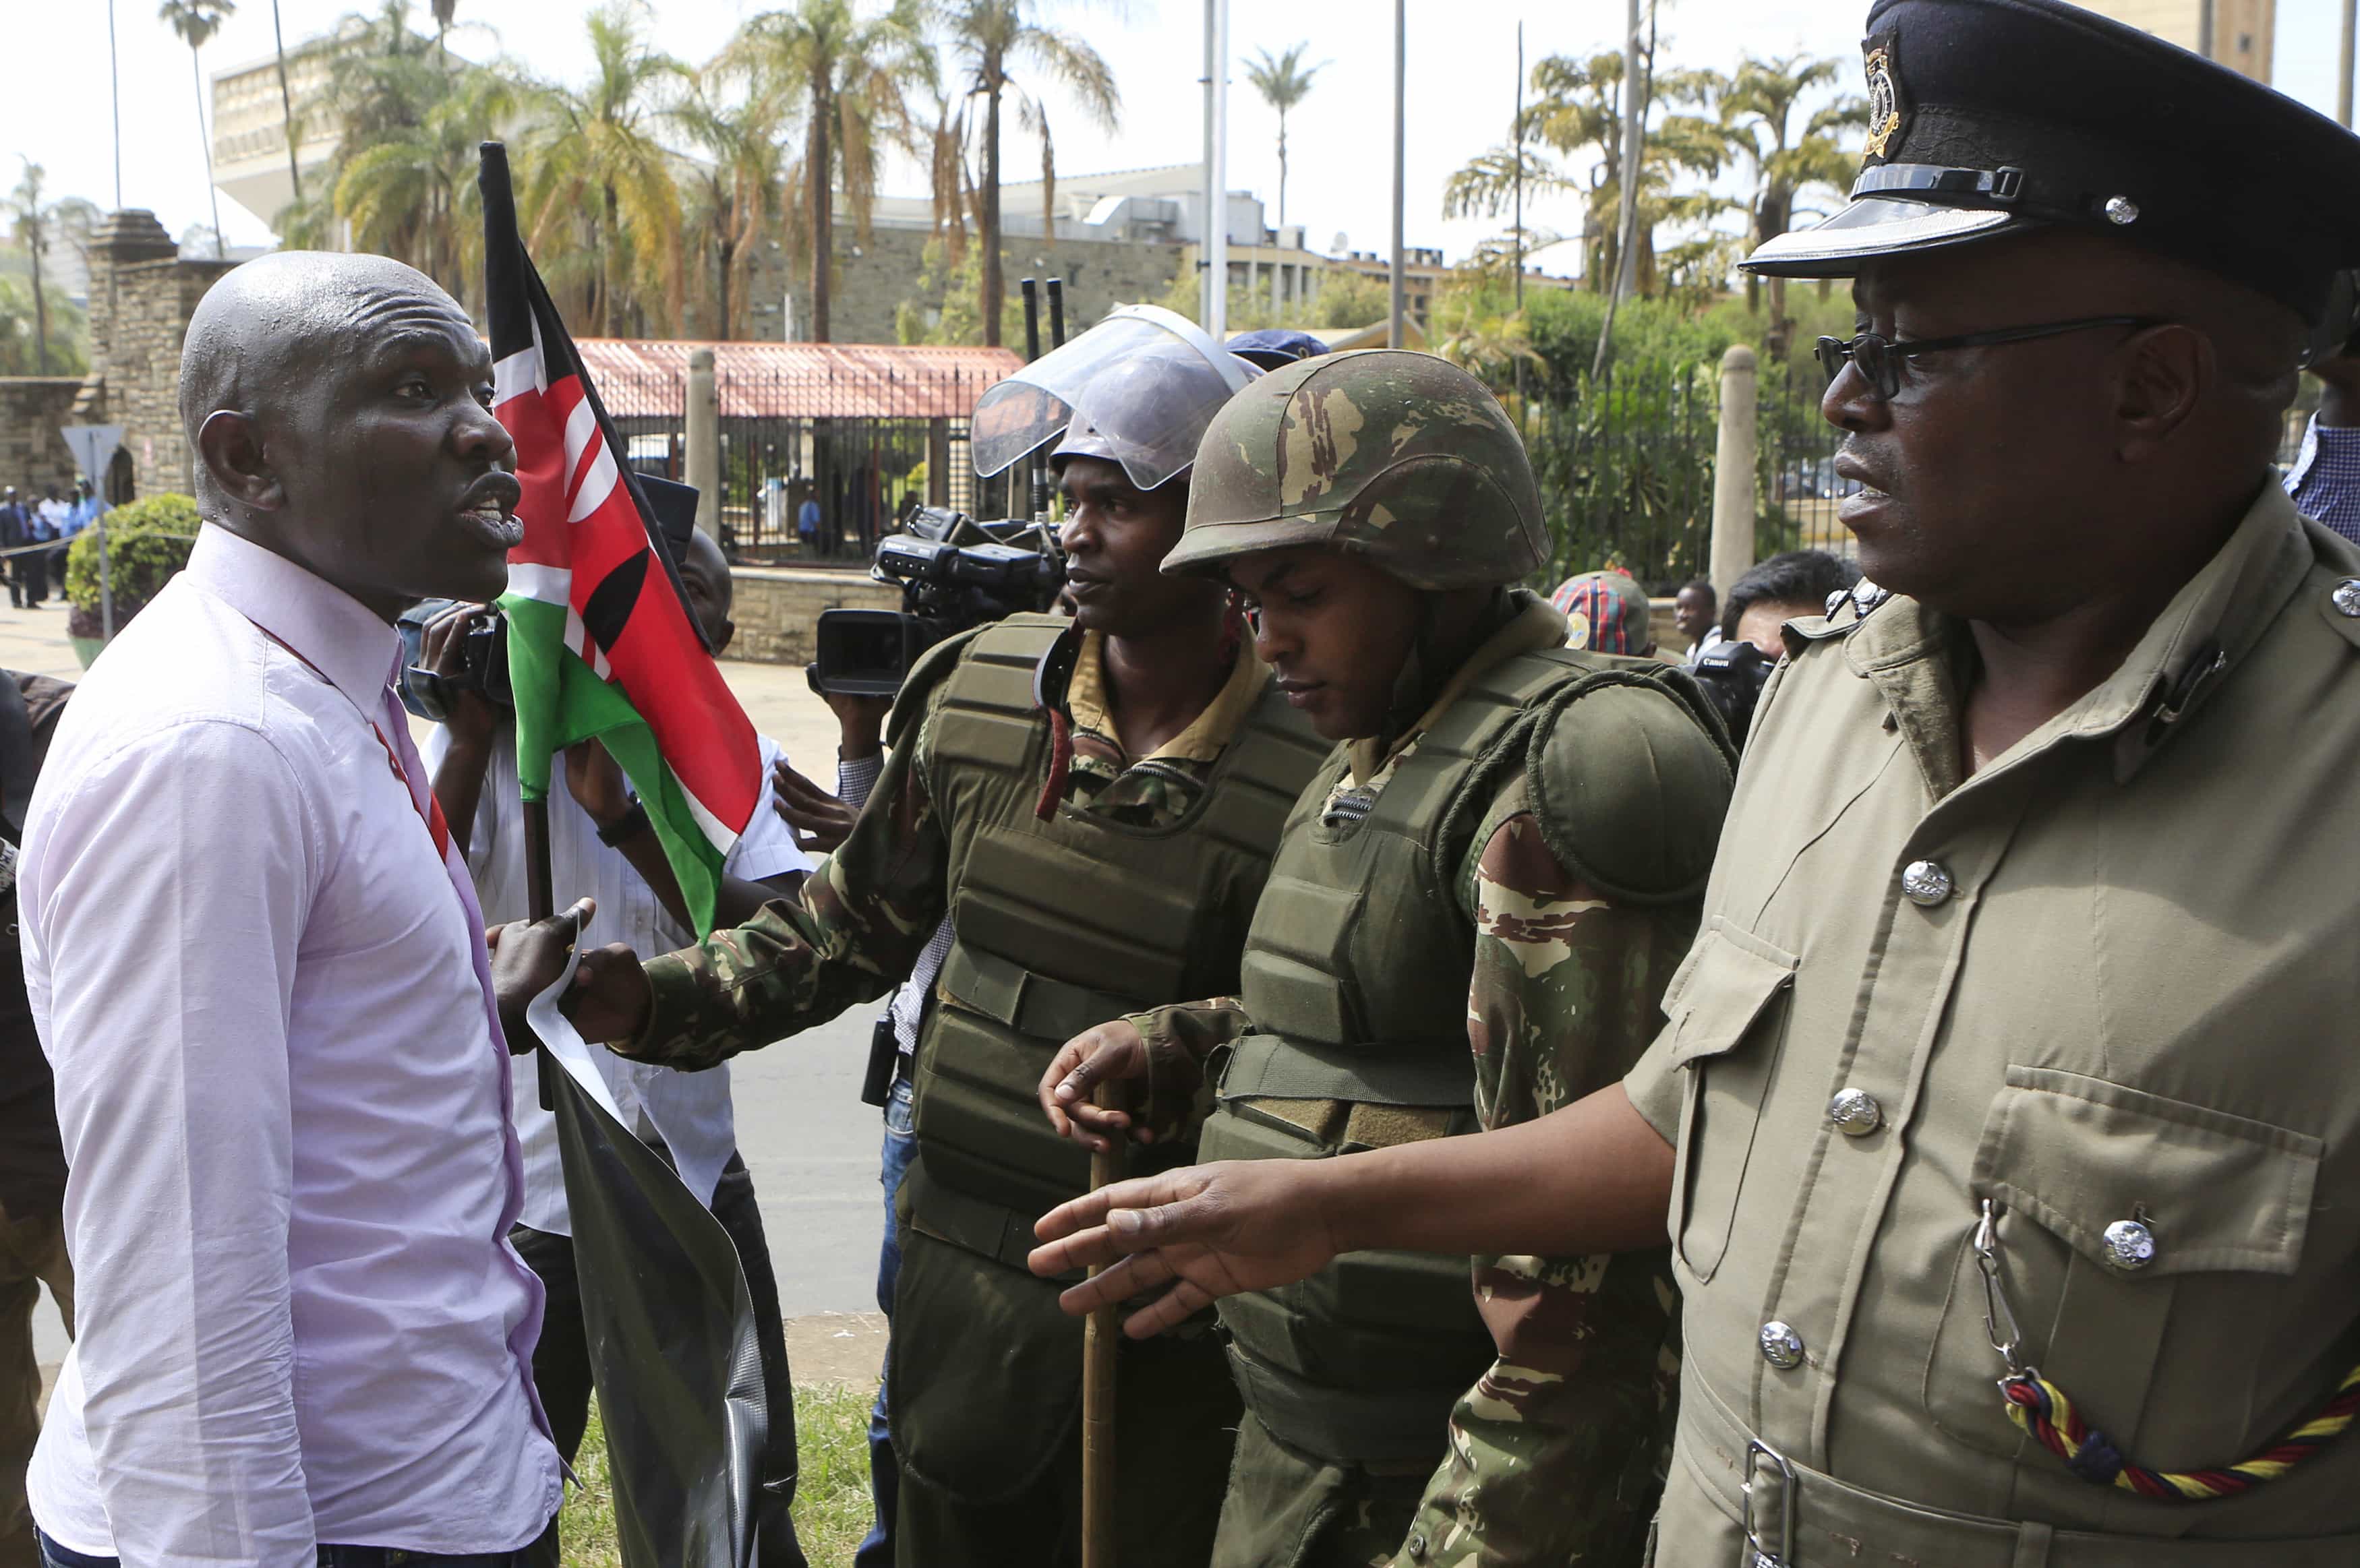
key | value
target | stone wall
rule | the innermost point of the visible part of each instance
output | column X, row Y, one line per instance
column 777, row 607
column 33, row 456
column 874, row 276
column 141, row 296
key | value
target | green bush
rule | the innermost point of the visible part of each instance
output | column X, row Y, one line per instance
column 147, row 542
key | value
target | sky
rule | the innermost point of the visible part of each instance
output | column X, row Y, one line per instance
column 1461, row 80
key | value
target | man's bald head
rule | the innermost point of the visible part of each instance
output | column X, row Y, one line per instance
column 339, row 407
column 267, row 325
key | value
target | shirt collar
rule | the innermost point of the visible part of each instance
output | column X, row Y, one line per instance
column 1206, row 734
column 339, row 635
column 1538, row 625
column 2212, row 623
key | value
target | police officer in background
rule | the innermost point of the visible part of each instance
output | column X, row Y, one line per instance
column 1092, row 803
column 1470, row 919
column 2004, row 1126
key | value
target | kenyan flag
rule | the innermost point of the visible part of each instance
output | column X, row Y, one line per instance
column 600, row 640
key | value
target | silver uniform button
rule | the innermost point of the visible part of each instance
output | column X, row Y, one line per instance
column 1781, row 1345
column 2130, row 1245
column 1856, row 1113
column 1925, row 883
column 2347, row 598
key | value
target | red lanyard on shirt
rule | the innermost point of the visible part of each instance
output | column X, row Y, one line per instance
column 436, row 828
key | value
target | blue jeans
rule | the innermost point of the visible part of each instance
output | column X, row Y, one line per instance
column 56, row 1556
column 884, row 1471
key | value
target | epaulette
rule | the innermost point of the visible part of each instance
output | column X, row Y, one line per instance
column 1846, row 607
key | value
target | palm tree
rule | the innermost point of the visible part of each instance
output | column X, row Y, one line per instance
column 196, row 21
column 1575, row 117
column 1757, row 107
column 29, row 220
column 992, row 37
column 286, row 105
column 1283, row 82
column 601, row 173
column 843, row 78
column 410, row 191
column 733, row 198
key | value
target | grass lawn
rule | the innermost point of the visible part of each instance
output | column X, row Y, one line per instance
column 831, row 1506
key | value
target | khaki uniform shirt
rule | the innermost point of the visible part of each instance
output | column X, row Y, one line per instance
column 2115, row 977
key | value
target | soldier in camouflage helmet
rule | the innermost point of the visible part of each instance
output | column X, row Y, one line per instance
column 1470, row 920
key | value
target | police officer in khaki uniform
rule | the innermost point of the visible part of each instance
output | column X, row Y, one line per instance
column 2003, row 1121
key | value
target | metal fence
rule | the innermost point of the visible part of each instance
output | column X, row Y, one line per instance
column 859, row 471
column 1626, row 466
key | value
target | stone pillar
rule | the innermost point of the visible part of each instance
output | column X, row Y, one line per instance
column 703, row 459
column 1733, row 471
column 122, row 239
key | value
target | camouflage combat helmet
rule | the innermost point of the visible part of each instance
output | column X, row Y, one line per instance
column 1401, row 457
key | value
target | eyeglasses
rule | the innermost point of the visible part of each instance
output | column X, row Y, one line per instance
column 1879, row 358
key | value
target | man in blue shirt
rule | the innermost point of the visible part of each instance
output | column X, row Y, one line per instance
column 2325, row 478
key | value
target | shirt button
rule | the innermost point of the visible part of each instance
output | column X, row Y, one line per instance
column 2347, row 598
column 1925, row 883
column 1781, row 1345
column 2130, row 1246
column 1856, row 1113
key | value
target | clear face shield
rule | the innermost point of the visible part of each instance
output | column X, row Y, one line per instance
column 1036, row 405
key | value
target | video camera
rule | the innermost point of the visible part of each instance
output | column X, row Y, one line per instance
column 954, row 572
column 484, row 653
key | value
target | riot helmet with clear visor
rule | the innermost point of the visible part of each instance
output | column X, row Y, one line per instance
column 1033, row 407
column 1149, row 411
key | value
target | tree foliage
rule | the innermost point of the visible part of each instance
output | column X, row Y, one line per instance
column 839, row 82
column 1005, row 52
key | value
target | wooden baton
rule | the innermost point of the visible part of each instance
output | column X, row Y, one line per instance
column 1100, row 1337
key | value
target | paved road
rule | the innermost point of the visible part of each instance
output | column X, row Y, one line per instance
column 810, row 1142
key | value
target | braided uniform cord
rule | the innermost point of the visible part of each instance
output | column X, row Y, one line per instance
column 2040, row 1407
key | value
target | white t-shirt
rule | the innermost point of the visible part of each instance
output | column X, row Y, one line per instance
column 689, row 1111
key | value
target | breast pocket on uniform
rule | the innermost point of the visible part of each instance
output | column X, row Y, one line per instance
column 1723, row 998
column 2115, row 1203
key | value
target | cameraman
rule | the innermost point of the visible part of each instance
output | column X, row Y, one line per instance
column 600, row 843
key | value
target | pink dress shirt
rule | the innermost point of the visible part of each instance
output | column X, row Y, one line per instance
column 283, row 1095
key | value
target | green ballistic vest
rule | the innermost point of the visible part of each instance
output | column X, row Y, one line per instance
column 1357, row 966
column 1064, row 923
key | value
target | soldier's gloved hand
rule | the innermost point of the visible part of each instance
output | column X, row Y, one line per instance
column 1158, row 1081
column 1185, row 1238
column 526, row 959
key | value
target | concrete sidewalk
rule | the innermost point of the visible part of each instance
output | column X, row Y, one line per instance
column 811, row 1145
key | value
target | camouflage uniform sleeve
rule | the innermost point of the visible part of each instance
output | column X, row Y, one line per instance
column 1556, row 1454
column 864, row 915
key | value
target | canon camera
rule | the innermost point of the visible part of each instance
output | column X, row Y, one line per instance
column 482, row 667
column 954, row 572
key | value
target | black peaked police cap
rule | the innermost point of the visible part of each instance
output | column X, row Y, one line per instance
column 1988, row 117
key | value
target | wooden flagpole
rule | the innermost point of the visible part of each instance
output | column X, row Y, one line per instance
column 1100, row 1338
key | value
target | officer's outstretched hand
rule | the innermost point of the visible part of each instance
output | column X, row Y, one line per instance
column 608, row 1000
column 1157, row 1083
column 1195, row 1235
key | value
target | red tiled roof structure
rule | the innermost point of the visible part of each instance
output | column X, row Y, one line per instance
column 637, row 378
